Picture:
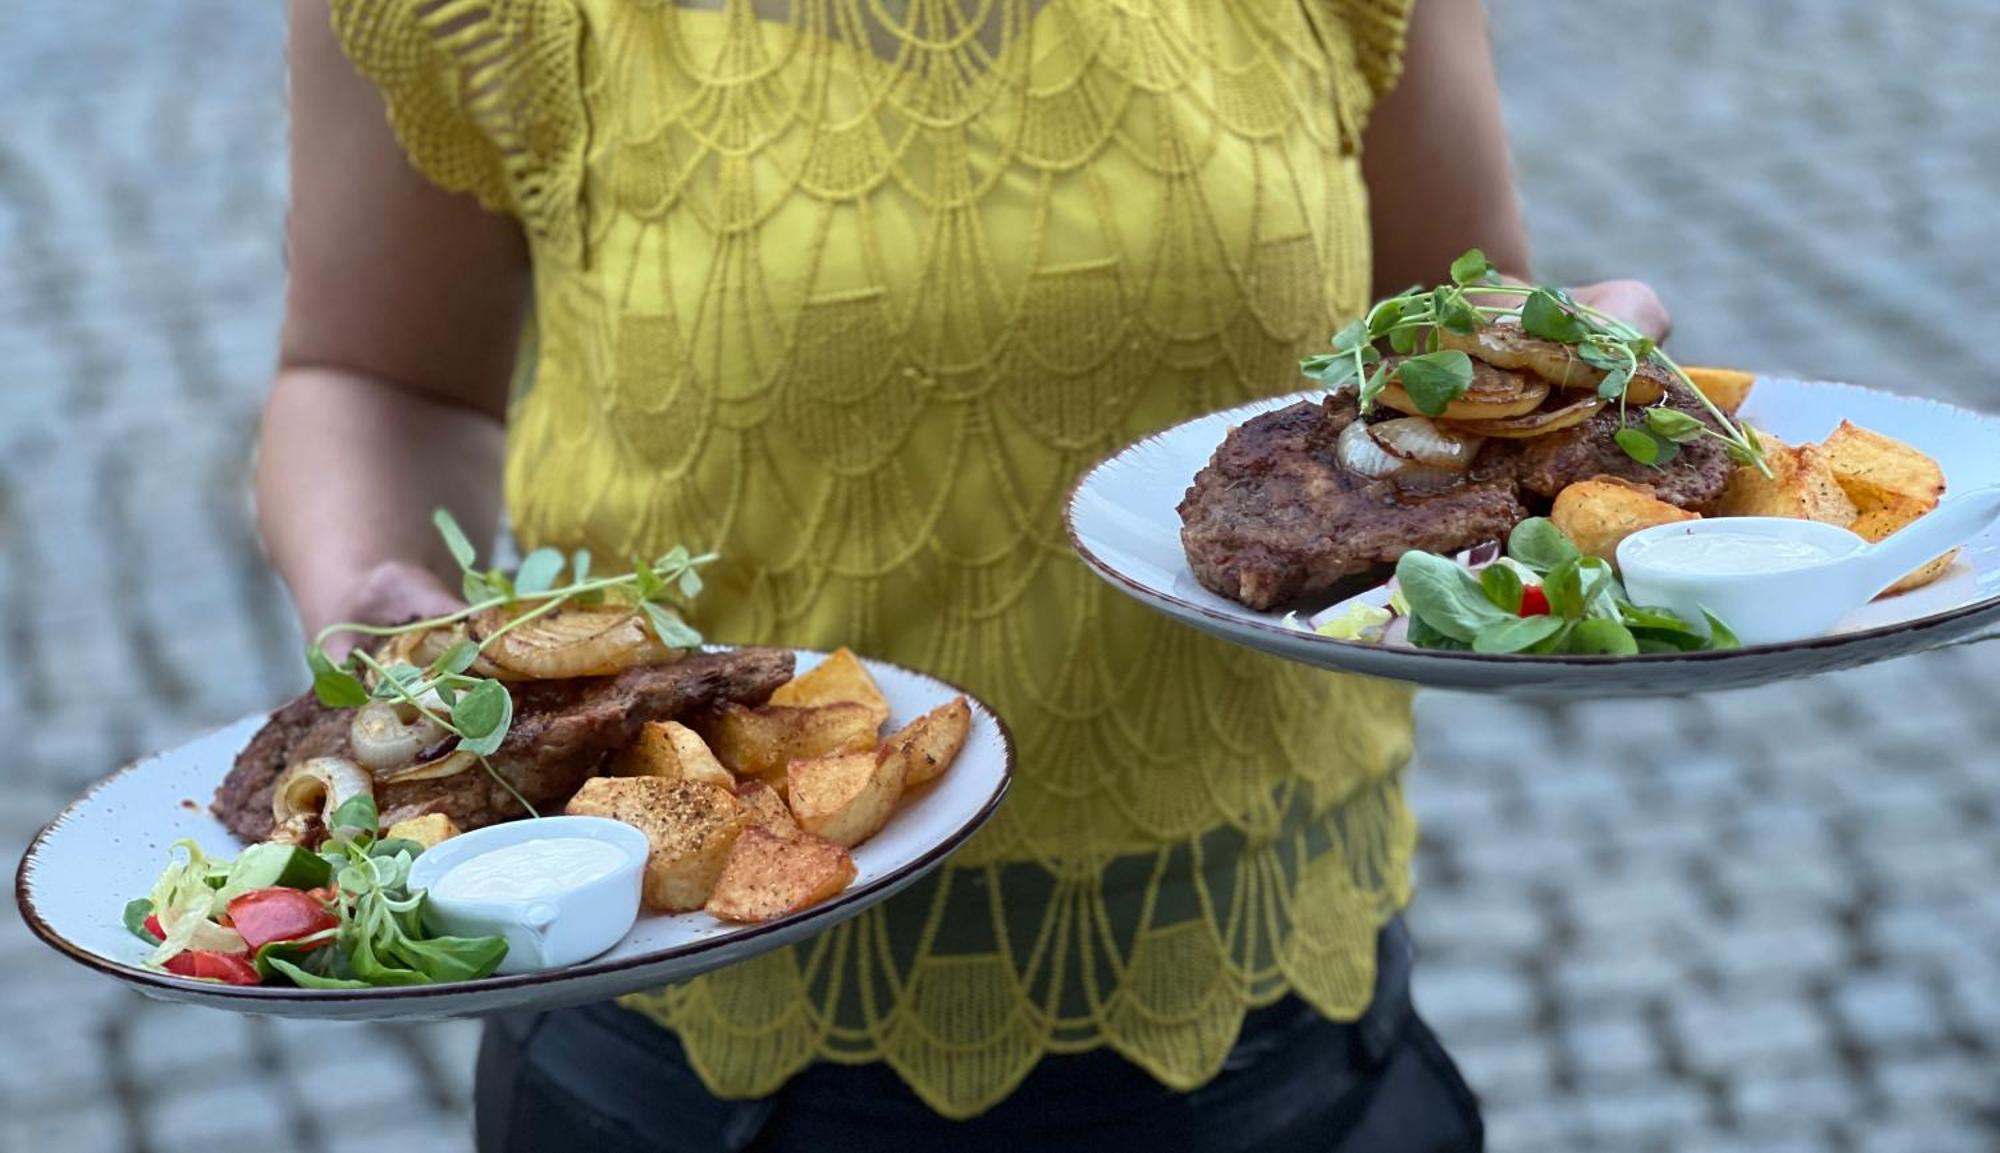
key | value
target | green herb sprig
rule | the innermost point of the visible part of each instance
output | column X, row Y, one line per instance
column 1588, row 611
column 1415, row 318
column 476, row 709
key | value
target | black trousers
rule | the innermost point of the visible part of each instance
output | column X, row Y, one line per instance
column 607, row 1080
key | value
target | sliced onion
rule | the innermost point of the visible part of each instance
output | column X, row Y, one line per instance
column 202, row 934
column 310, row 791
column 390, row 735
column 420, row 649
column 1506, row 345
column 1365, row 455
column 1535, row 423
column 449, row 765
column 572, row 642
column 1416, row 439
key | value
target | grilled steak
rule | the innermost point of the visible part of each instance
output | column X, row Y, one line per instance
column 1274, row 517
column 563, row 731
column 1694, row 479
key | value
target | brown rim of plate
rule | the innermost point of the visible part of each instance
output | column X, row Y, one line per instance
column 134, row 975
column 1988, row 605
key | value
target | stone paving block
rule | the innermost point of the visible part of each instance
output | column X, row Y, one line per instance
column 90, row 1127
column 162, row 1036
column 1619, row 970
column 453, row 1047
column 1656, row 901
column 1782, row 948
column 1883, row 1010
column 1793, row 1098
column 1557, row 1125
column 1472, row 997
column 238, row 1112
column 1506, row 1067
column 1624, row 1117
column 1612, row 1047
column 1740, row 1036
column 1949, row 1080
column 1926, row 1134
column 1479, row 922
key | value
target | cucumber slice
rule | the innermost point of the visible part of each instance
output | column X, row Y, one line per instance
column 268, row 865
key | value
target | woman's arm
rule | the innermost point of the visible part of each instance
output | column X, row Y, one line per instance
column 402, row 315
column 1435, row 155
column 1439, row 180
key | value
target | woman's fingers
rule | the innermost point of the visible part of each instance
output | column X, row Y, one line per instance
column 1632, row 301
column 393, row 593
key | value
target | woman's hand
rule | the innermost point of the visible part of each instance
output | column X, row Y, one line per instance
column 1632, row 301
column 391, row 593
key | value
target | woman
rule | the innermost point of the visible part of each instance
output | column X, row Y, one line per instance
column 850, row 291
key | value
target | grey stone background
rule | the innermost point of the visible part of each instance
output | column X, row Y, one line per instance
column 1763, row 920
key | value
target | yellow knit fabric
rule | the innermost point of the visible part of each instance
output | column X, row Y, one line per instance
column 851, row 291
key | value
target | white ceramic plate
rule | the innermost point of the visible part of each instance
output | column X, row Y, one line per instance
column 1122, row 521
column 107, row 848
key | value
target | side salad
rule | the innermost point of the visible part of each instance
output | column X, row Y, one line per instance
column 1542, row 596
column 340, row 918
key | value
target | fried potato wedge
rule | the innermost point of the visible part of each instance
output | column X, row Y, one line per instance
column 1874, row 524
column 928, row 745
column 673, row 752
column 1599, row 513
column 845, row 798
column 1725, row 388
column 690, row 825
column 429, row 830
column 760, row 742
column 767, row 809
column 1882, row 474
column 768, row 876
column 841, row 677
column 1801, row 486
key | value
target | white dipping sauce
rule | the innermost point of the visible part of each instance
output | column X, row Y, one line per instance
column 1733, row 553
column 529, row 870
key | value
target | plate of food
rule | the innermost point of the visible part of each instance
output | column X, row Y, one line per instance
column 1451, row 505
column 553, row 797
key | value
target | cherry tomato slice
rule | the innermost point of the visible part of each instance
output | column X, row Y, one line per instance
column 229, row 968
column 153, row 927
column 278, row 914
column 1534, row 602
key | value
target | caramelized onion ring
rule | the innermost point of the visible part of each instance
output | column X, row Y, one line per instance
column 1478, row 403
column 1534, row 424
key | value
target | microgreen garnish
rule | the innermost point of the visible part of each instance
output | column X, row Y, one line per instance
column 1586, row 607
column 478, row 710
column 1412, row 320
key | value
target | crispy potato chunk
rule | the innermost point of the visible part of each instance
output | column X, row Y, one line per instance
column 1726, row 388
column 691, row 826
column 672, row 751
column 1892, row 484
column 767, row 809
column 839, row 678
column 1801, row 486
column 1878, row 523
column 429, row 830
column 1881, row 474
column 845, row 798
column 769, row 876
column 1600, row 512
column 927, row 746
column 760, row 742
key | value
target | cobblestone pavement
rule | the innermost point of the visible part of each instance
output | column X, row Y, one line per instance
column 1760, row 920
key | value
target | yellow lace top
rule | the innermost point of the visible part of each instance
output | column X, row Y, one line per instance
column 852, row 291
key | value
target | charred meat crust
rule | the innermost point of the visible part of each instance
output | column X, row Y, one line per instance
column 561, row 735
column 1274, row 519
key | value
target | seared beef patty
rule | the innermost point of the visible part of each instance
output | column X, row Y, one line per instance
column 1274, row 517
column 562, row 733
column 1694, row 479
